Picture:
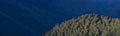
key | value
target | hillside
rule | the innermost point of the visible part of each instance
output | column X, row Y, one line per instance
column 87, row 25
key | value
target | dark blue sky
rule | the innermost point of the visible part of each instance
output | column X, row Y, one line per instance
column 35, row 17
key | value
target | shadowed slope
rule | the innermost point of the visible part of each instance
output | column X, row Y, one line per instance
column 87, row 25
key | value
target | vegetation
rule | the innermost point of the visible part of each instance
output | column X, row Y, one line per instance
column 87, row 25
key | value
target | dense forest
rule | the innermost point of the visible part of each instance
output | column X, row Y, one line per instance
column 87, row 25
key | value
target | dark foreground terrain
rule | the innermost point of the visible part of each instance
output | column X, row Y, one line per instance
column 87, row 25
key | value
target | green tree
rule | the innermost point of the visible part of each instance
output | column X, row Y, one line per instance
column 87, row 25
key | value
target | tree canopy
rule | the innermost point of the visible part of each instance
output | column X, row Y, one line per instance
column 87, row 25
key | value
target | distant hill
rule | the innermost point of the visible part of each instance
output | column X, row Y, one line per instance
column 87, row 25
